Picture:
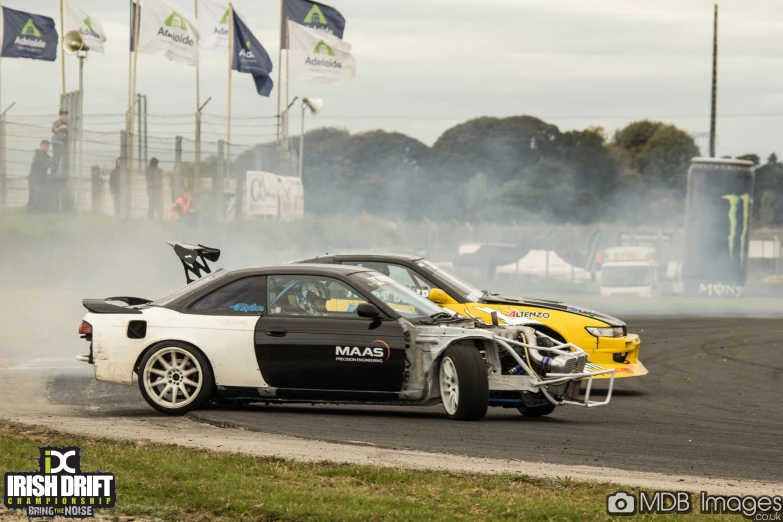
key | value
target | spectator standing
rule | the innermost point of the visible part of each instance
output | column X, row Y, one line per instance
column 114, row 186
column 181, row 206
column 39, row 171
column 154, row 184
column 60, row 143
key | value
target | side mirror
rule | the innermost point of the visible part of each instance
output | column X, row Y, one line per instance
column 368, row 310
column 440, row 297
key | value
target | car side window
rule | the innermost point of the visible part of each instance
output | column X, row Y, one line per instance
column 245, row 296
column 405, row 276
column 314, row 296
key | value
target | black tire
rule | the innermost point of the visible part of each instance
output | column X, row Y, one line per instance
column 472, row 390
column 197, row 396
column 537, row 411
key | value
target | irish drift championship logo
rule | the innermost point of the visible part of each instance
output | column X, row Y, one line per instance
column 60, row 488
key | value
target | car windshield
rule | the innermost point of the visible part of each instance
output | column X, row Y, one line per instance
column 198, row 283
column 402, row 300
column 470, row 292
column 625, row 276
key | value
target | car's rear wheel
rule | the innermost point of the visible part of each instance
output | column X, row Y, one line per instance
column 537, row 411
column 175, row 378
column 464, row 388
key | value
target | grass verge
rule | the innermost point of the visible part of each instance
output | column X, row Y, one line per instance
column 172, row 483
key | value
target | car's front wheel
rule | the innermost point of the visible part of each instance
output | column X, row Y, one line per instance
column 175, row 378
column 464, row 388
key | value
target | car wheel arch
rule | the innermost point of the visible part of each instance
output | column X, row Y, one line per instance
column 157, row 344
column 551, row 332
column 463, row 341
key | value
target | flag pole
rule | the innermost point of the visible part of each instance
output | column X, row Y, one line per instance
column 130, row 59
column 280, row 70
column 230, row 67
column 197, row 133
column 287, row 145
column 133, row 85
column 62, row 55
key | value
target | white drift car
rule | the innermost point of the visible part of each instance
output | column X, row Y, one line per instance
column 322, row 333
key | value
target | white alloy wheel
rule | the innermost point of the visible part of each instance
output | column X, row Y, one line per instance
column 449, row 386
column 464, row 388
column 172, row 378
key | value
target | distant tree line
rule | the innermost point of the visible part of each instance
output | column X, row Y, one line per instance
column 519, row 168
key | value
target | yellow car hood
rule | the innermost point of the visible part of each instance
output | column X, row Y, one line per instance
column 494, row 300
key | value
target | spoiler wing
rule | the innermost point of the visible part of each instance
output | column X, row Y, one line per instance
column 195, row 259
column 99, row 306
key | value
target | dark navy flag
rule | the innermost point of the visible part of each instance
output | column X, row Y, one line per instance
column 28, row 35
column 314, row 15
column 251, row 57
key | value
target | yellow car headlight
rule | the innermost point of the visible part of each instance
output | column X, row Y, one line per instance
column 609, row 331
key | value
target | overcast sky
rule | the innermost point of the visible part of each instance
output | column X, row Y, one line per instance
column 423, row 66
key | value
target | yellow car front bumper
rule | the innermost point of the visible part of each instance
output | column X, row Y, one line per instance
column 608, row 354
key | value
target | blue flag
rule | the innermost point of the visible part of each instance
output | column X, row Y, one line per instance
column 314, row 15
column 29, row 36
column 251, row 57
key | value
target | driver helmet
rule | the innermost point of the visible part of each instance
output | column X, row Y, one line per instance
column 312, row 297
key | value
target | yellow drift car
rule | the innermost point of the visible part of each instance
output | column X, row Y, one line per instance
column 604, row 338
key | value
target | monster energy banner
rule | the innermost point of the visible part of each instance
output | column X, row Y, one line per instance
column 314, row 15
column 717, row 227
column 28, row 35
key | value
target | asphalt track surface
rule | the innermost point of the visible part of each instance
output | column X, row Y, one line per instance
column 712, row 406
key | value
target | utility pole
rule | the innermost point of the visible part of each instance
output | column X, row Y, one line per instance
column 144, row 129
column 714, row 82
column 139, row 133
column 197, row 160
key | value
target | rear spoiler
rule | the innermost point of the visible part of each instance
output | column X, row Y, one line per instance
column 99, row 306
column 190, row 256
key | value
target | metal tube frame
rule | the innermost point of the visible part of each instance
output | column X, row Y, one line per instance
column 559, row 378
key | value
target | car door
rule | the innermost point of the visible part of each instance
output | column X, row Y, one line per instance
column 312, row 339
column 224, row 322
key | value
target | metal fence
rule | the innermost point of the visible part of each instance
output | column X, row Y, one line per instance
column 103, row 141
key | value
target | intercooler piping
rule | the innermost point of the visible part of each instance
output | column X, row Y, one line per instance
column 557, row 364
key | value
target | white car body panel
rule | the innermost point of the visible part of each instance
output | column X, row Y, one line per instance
column 227, row 341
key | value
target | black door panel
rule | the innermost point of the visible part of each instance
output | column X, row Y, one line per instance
column 330, row 353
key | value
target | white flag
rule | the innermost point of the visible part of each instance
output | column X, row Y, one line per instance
column 319, row 57
column 166, row 31
column 213, row 24
column 90, row 28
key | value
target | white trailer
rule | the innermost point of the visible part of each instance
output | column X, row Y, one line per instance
column 630, row 270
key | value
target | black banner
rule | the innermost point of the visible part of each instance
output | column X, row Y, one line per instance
column 718, row 215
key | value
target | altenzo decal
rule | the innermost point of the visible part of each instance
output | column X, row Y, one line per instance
column 516, row 320
column 734, row 201
column 536, row 315
column 370, row 354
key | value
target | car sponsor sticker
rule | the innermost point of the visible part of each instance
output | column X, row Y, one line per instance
column 244, row 307
column 365, row 354
column 520, row 313
column 60, row 488
column 591, row 367
column 516, row 320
